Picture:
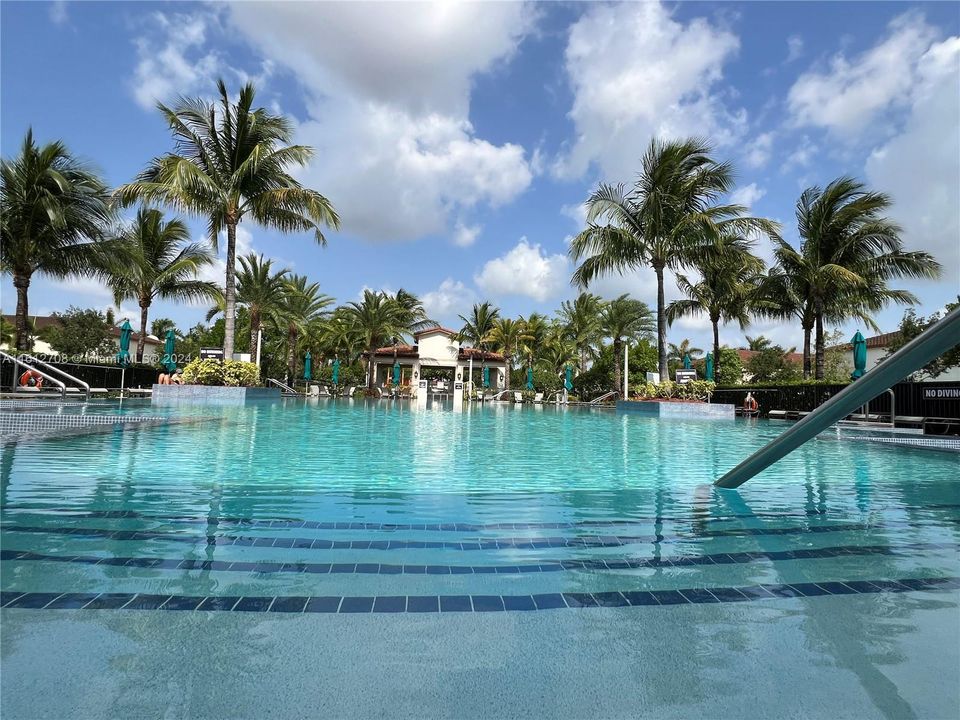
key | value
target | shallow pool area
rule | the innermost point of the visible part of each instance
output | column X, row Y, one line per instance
column 358, row 559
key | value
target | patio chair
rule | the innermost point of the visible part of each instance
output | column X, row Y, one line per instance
column 517, row 396
column 538, row 398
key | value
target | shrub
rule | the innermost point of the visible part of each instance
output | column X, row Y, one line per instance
column 237, row 373
column 234, row 373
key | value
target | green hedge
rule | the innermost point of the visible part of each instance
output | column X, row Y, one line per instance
column 233, row 373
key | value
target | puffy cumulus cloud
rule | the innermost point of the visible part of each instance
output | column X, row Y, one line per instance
column 450, row 299
column 388, row 95
column 171, row 60
column 794, row 48
column 845, row 96
column 636, row 73
column 747, row 195
column 525, row 270
column 920, row 166
column 758, row 151
column 466, row 235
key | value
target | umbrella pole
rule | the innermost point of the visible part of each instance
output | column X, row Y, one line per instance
column 123, row 374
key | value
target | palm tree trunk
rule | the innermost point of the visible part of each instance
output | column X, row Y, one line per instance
column 144, row 309
column 22, row 283
column 230, row 291
column 617, row 362
column 806, row 353
column 291, row 357
column 373, row 349
column 661, row 327
column 819, row 347
column 254, row 327
column 716, row 348
column 506, row 374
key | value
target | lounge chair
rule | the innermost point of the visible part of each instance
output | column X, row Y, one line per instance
column 538, row 398
column 777, row 414
column 517, row 396
column 914, row 420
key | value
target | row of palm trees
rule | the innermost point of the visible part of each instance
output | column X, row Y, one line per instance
column 229, row 163
column 674, row 218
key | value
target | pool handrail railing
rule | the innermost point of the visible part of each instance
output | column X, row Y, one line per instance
column 62, row 373
column 931, row 343
column 19, row 363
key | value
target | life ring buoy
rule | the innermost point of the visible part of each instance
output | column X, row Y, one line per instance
column 750, row 405
column 31, row 375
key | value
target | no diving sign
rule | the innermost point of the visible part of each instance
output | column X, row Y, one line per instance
column 941, row 393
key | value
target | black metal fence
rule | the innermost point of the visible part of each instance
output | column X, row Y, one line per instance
column 105, row 375
column 918, row 399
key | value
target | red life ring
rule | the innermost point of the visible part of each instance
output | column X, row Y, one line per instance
column 31, row 375
column 750, row 404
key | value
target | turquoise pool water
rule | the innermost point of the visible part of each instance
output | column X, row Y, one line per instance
column 362, row 559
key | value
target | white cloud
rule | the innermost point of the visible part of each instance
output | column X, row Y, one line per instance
column 466, row 235
column 801, row 156
column 58, row 12
column 758, row 152
column 525, row 270
column 216, row 271
column 920, row 167
column 636, row 73
column 794, row 48
column 452, row 298
column 849, row 93
column 747, row 195
column 577, row 213
column 388, row 94
column 171, row 60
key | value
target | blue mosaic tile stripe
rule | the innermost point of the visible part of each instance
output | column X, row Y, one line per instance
column 525, row 543
column 543, row 566
column 695, row 517
column 467, row 603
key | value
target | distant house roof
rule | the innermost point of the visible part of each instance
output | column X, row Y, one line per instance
column 745, row 356
column 436, row 331
column 401, row 351
column 877, row 341
column 413, row 351
column 477, row 354
column 41, row 322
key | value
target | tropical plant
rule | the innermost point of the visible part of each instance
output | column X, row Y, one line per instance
column 339, row 337
column 378, row 318
column 301, row 310
column 558, row 350
column 667, row 216
column 911, row 325
column 7, row 331
column 676, row 353
column 505, row 337
column 624, row 320
column 581, row 319
column 536, row 330
column 80, row 332
column 479, row 325
column 759, row 343
column 53, row 209
column 159, row 327
column 228, row 164
column 849, row 252
column 729, row 277
column 152, row 258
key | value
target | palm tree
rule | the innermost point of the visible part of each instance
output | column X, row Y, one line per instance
column 229, row 164
column 729, row 277
column 759, row 343
column 624, row 320
column 535, row 330
column 53, row 210
column 151, row 259
column 378, row 318
column 558, row 350
column 505, row 337
column 412, row 317
column 582, row 319
column 849, row 252
column 676, row 353
column 159, row 327
column 478, row 327
column 668, row 214
column 300, row 311
column 339, row 337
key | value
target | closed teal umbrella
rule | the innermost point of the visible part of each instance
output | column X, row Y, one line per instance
column 308, row 366
column 336, row 372
column 123, row 357
column 529, row 378
column 168, row 348
column 686, row 361
column 859, row 356
column 568, row 378
column 486, row 377
column 709, row 372
column 396, row 373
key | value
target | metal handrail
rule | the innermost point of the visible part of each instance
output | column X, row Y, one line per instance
column 605, row 396
column 58, row 371
column 18, row 363
column 282, row 386
column 931, row 343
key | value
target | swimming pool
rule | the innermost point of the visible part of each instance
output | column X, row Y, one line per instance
column 350, row 559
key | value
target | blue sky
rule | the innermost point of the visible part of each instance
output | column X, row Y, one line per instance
column 459, row 141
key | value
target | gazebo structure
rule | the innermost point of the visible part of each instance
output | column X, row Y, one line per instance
column 436, row 348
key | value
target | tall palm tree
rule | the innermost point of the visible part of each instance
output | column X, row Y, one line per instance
column 582, row 320
column 378, row 318
column 506, row 336
column 152, row 258
column 535, row 330
column 624, row 320
column 228, row 164
column 676, row 353
column 478, row 327
column 667, row 214
column 729, row 277
column 299, row 313
column 339, row 337
column 53, row 210
column 412, row 317
column 758, row 343
column 160, row 326
column 558, row 350
column 849, row 251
